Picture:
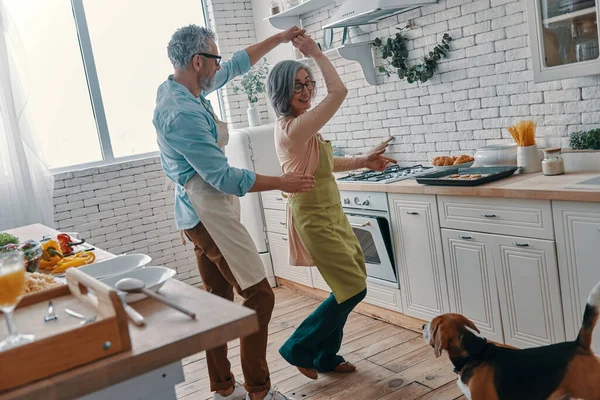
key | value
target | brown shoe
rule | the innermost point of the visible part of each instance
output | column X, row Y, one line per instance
column 309, row 372
column 345, row 367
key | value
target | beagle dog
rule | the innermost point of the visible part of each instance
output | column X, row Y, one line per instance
column 561, row 371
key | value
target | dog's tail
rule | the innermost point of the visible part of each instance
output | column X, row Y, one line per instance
column 590, row 317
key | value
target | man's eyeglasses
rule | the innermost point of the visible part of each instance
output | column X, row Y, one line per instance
column 299, row 87
column 207, row 55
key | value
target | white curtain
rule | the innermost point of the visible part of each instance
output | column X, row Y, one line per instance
column 25, row 184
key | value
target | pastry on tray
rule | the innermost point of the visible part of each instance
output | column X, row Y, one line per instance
column 446, row 161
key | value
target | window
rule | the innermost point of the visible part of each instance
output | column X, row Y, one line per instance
column 95, row 66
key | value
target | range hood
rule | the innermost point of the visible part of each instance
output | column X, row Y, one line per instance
column 362, row 12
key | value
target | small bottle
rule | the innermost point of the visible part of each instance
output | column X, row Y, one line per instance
column 275, row 7
column 553, row 163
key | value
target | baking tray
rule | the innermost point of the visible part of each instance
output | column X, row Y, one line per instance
column 492, row 174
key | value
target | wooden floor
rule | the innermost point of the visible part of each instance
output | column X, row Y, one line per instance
column 393, row 363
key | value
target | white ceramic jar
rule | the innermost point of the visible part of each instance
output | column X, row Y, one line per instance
column 529, row 159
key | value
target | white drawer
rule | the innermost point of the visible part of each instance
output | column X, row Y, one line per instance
column 520, row 217
column 273, row 200
column 377, row 295
column 280, row 255
column 383, row 296
column 276, row 221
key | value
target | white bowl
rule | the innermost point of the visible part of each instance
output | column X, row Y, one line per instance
column 115, row 265
column 496, row 155
column 447, row 167
column 153, row 277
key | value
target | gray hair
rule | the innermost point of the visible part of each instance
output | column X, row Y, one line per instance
column 280, row 85
column 186, row 42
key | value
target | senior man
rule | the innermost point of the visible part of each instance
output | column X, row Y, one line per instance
column 191, row 140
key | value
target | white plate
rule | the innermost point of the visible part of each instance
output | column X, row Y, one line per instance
column 115, row 265
column 447, row 167
column 153, row 277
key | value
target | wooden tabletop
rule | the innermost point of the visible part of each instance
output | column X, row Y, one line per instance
column 168, row 336
column 526, row 186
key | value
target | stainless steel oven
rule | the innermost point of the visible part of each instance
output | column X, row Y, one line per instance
column 369, row 216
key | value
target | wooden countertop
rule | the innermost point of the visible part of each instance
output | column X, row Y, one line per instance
column 527, row 186
column 168, row 336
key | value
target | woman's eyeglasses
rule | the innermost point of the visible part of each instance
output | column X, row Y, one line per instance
column 299, row 87
column 207, row 55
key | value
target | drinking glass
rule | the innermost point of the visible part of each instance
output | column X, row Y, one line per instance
column 12, row 287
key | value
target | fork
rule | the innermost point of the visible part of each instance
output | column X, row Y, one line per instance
column 86, row 320
column 51, row 314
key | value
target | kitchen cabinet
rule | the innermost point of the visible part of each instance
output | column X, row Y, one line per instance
column 471, row 280
column 529, row 291
column 419, row 259
column 278, row 244
column 578, row 247
column 508, row 286
column 563, row 38
column 319, row 281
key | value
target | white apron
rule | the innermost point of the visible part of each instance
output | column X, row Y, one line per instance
column 220, row 214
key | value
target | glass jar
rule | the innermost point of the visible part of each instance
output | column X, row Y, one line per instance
column 586, row 44
column 275, row 7
column 553, row 163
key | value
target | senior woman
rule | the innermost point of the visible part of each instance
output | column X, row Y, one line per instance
column 318, row 230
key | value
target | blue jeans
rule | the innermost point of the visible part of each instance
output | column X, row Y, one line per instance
column 317, row 340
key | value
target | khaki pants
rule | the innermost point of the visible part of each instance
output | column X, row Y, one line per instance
column 218, row 279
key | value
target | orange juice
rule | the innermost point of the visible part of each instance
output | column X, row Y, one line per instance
column 12, row 286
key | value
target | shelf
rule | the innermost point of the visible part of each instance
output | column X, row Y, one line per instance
column 569, row 16
column 289, row 18
column 360, row 52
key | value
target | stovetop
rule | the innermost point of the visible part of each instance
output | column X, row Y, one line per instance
column 391, row 174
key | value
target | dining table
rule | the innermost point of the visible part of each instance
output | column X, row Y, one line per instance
column 153, row 366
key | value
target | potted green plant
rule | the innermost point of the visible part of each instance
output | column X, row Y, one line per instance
column 252, row 84
column 585, row 140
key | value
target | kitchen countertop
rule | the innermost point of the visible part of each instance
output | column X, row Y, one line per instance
column 527, row 186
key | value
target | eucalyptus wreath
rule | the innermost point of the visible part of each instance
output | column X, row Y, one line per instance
column 253, row 82
column 395, row 48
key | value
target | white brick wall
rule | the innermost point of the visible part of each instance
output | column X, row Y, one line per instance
column 125, row 208
column 484, row 86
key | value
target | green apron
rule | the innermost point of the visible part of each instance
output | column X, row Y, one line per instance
column 326, row 233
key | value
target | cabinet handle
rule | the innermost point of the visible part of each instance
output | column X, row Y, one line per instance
column 465, row 237
column 279, row 198
column 489, row 215
column 412, row 213
column 521, row 244
column 284, row 238
column 282, row 223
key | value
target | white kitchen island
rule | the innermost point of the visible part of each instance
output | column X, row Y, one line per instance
column 152, row 367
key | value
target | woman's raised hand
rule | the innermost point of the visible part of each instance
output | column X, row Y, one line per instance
column 306, row 45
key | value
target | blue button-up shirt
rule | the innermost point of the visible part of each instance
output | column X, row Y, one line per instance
column 187, row 140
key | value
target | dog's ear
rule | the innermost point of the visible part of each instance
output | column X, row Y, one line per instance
column 440, row 342
column 471, row 325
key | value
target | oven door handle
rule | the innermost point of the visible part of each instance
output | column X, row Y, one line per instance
column 360, row 225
